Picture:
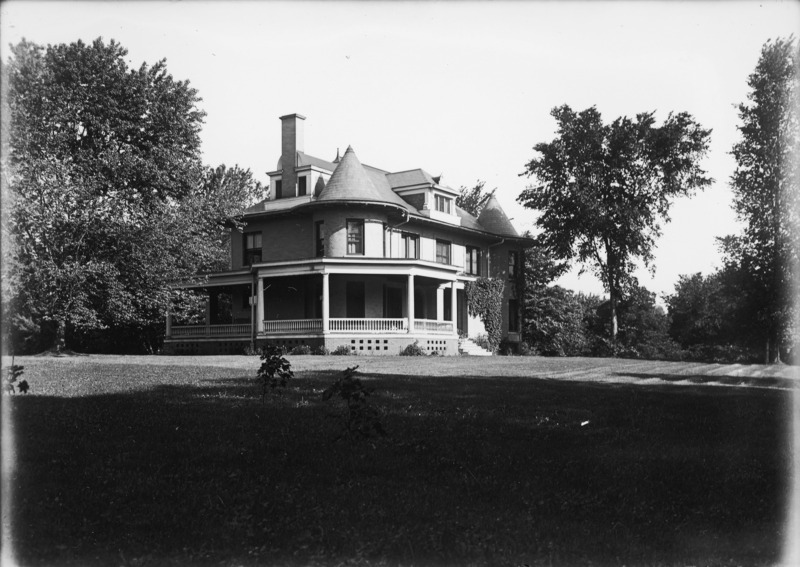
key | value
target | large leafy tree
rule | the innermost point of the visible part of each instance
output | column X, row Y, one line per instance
column 473, row 199
column 766, row 189
column 109, row 200
column 603, row 190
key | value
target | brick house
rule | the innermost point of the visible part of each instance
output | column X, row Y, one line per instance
column 343, row 253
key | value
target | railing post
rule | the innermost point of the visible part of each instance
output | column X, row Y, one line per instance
column 326, row 305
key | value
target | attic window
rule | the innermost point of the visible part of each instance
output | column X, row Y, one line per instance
column 443, row 204
column 301, row 185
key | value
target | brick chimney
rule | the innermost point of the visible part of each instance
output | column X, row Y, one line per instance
column 291, row 143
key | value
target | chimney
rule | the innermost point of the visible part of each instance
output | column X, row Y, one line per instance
column 291, row 143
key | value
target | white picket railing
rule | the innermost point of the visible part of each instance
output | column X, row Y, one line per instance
column 432, row 326
column 233, row 330
column 376, row 325
column 293, row 326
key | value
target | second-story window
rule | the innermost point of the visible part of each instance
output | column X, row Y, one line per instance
column 472, row 264
column 442, row 252
column 513, row 264
column 301, row 185
column 355, row 237
column 409, row 244
column 443, row 204
column 252, row 248
column 319, row 239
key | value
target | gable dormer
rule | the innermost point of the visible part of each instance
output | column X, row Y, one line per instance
column 426, row 194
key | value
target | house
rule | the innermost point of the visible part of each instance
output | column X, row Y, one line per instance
column 342, row 253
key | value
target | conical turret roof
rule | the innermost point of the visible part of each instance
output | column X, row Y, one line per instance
column 351, row 182
column 493, row 218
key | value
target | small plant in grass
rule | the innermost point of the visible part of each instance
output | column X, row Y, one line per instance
column 275, row 370
column 359, row 419
column 341, row 350
column 413, row 350
column 301, row 349
column 13, row 372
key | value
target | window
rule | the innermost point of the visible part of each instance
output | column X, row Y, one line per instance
column 301, row 185
column 409, row 246
column 319, row 235
column 278, row 189
column 442, row 252
column 443, row 204
column 252, row 248
column 472, row 265
column 513, row 264
column 513, row 316
column 355, row 237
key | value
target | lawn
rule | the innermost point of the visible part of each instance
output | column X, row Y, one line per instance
column 488, row 461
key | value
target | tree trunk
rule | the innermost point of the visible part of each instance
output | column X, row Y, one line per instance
column 614, row 327
column 60, row 343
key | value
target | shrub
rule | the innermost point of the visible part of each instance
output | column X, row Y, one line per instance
column 12, row 373
column 301, row 349
column 482, row 341
column 341, row 350
column 413, row 350
column 322, row 350
column 275, row 370
column 359, row 418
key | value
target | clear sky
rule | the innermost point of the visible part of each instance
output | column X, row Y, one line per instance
column 462, row 89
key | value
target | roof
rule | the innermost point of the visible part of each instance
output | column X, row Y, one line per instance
column 305, row 159
column 494, row 219
column 351, row 181
column 409, row 178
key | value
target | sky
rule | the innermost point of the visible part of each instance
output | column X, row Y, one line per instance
column 462, row 89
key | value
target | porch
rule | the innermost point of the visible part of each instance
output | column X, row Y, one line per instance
column 331, row 309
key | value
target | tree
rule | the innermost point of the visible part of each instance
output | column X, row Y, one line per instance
column 102, row 161
column 554, row 322
column 473, row 200
column 603, row 190
column 765, row 186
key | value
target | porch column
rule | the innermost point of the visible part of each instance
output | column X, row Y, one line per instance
column 169, row 322
column 208, row 309
column 410, row 303
column 454, row 307
column 260, row 305
column 440, row 303
column 326, row 302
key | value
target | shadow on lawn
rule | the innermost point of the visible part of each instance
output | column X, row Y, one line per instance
column 478, row 470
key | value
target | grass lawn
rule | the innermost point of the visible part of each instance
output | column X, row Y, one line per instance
column 489, row 461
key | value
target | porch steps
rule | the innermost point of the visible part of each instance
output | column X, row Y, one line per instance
column 467, row 346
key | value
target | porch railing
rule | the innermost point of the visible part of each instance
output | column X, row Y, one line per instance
column 432, row 326
column 293, row 326
column 397, row 325
column 233, row 330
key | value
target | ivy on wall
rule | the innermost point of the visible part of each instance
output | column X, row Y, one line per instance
column 485, row 300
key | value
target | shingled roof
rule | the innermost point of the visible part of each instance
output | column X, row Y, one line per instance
column 351, row 181
column 494, row 219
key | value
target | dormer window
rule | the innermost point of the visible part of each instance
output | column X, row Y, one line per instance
column 443, row 204
column 302, row 188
